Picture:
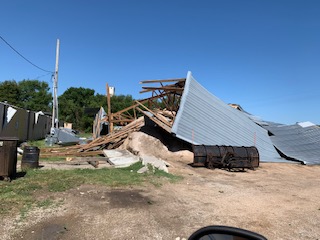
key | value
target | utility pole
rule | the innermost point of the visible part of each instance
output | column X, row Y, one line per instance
column 55, row 119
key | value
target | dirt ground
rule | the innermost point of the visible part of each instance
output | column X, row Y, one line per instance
column 277, row 200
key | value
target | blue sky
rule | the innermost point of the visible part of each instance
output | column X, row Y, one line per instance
column 263, row 55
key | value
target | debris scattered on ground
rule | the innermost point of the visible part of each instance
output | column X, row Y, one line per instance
column 110, row 141
column 154, row 162
column 151, row 136
column 120, row 158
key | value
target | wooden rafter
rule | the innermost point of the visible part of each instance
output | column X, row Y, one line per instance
column 168, row 94
column 156, row 120
column 164, row 80
column 167, row 88
column 163, row 88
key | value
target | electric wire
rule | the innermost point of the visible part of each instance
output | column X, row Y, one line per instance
column 44, row 75
column 23, row 56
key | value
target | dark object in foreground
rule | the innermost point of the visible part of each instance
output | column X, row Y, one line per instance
column 8, row 158
column 225, row 157
column 225, row 233
column 30, row 157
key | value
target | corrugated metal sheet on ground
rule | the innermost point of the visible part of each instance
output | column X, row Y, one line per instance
column 295, row 141
column 204, row 119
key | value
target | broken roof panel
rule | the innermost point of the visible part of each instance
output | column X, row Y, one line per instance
column 298, row 141
column 204, row 119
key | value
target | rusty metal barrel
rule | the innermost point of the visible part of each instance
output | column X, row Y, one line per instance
column 30, row 157
column 214, row 156
column 200, row 155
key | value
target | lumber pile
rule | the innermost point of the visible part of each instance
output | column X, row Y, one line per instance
column 162, row 118
column 94, row 148
column 113, row 139
column 163, row 115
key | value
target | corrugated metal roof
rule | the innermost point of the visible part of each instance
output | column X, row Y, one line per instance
column 296, row 141
column 204, row 119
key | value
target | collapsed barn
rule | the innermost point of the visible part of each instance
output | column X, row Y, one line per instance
column 185, row 110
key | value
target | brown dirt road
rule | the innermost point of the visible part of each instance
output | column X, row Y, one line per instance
column 280, row 201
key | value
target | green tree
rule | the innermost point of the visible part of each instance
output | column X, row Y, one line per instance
column 101, row 101
column 71, row 106
column 73, row 101
column 35, row 95
column 9, row 92
column 28, row 94
column 119, row 102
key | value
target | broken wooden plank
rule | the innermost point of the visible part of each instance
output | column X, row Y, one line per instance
column 85, row 159
column 162, row 119
column 164, row 88
column 156, row 121
column 163, row 80
column 115, row 136
column 73, row 153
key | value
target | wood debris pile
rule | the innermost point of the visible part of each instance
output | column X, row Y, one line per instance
column 162, row 118
column 150, row 108
column 110, row 141
column 113, row 139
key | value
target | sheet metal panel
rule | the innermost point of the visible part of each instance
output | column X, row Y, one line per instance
column 295, row 141
column 31, row 117
column 204, row 119
column 38, row 128
column 18, row 125
column 2, row 116
column 22, row 125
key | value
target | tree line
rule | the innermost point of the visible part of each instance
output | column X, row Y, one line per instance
column 35, row 95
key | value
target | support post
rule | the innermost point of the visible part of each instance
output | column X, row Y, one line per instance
column 110, row 118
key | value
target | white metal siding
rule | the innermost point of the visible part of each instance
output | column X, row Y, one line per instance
column 205, row 119
column 301, row 143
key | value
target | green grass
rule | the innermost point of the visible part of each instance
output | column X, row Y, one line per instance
column 39, row 143
column 21, row 194
column 47, row 159
column 46, row 203
column 53, row 159
column 85, row 134
column 157, row 176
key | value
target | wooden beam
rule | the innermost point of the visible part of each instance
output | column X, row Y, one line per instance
column 140, row 101
column 128, row 108
column 123, row 120
column 164, row 88
column 156, row 121
column 164, row 80
column 71, row 153
column 109, row 109
column 171, row 91
column 85, row 159
column 162, row 119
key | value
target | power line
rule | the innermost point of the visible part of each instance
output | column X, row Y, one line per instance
column 23, row 56
column 41, row 76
